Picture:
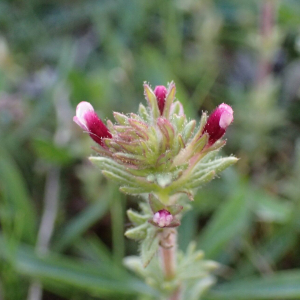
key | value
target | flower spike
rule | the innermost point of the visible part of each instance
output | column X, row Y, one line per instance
column 159, row 152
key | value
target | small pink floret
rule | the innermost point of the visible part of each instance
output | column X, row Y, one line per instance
column 163, row 218
column 160, row 92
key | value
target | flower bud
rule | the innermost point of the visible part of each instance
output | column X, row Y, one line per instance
column 88, row 120
column 218, row 122
column 162, row 218
column 160, row 92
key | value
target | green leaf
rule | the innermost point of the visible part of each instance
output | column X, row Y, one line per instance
column 270, row 208
column 201, row 126
column 196, row 183
column 120, row 118
column 113, row 170
column 196, row 291
column 176, row 107
column 149, row 246
column 217, row 165
column 16, row 209
column 137, row 218
column 137, row 233
column 117, row 224
column 97, row 280
column 152, row 101
column 155, row 204
column 275, row 247
column 175, row 209
column 79, row 224
column 120, row 179
column 169, row 99
column 132, row 190
column 281, row 285
column 134, row 264
column 92, row 248
column 178, row 121
column 228, row 222
column 199, row 144
column 196, row 145
column 48, row 151
column 209, row 156
column 144, row 113
column 188, row 130
column 167, row 131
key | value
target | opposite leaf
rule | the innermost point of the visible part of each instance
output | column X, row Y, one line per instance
column 149, row 246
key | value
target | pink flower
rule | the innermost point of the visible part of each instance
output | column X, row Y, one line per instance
column 162, row 218
column 160, row 92
column 88, row 120
column 218, row 122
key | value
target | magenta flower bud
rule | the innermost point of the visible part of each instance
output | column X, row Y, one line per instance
column 218, row 122
column 160, row 92
column 162, row 218
column 88, row 120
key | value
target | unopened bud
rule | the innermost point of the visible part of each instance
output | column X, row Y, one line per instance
column 162, row 218
column 160, row 92
column 218, row 122
column 88, row 120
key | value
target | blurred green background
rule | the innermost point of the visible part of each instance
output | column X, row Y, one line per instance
column 62, row 223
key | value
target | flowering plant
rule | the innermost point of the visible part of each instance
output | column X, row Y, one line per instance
column 161, row 156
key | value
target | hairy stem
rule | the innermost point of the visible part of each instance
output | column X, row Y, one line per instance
column 168, row 250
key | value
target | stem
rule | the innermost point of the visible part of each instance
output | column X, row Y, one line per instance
column 168, row 248
column 176, row 294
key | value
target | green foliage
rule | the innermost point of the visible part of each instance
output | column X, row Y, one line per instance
column 54, row 55
column 229, row 222
column 281, row 285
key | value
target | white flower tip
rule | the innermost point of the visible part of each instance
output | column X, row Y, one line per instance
column 226, row 116
column 82, row 108
column 226, row 107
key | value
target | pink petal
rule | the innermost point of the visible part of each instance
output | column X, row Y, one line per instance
column 160, row 92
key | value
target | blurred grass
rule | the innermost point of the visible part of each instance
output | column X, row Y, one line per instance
column 216, row 51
